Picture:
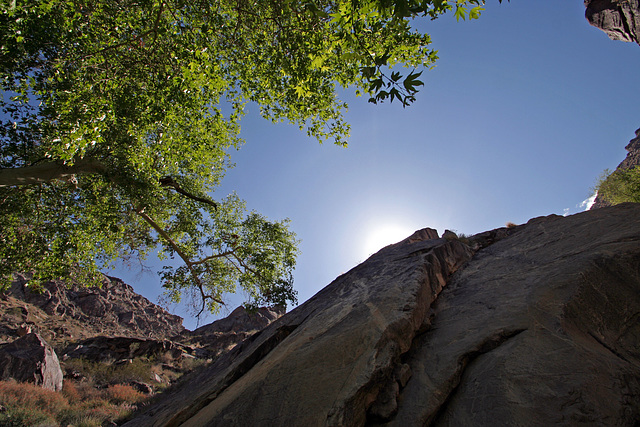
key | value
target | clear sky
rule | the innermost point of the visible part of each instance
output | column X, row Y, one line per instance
column 524, row 110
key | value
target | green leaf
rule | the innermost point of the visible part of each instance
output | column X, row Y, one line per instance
column 460, row 13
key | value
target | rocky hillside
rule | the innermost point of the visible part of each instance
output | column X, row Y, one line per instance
column 109, row 325
column 530, row 325
column 63, row 314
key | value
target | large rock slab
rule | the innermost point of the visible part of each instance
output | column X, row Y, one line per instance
column 31, row 359
column 107, row 349
column 540, row 328
column 331, row 360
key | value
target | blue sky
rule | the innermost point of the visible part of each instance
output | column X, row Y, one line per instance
column 524, row 110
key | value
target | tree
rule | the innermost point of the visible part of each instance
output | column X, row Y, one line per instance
column 619, row 186
column 119, row 116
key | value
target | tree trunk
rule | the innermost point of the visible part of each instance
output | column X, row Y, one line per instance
column 47, row 172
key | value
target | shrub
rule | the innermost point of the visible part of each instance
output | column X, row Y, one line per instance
column 71, row 392
column 80, row 405
column 104, row 373
column 120, row 393
column 30, row 396
column 20, row 417
column 622, row 185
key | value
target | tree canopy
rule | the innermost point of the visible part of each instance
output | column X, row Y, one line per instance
column 118, row 117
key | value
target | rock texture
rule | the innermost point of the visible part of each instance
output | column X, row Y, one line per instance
column 632, row 160
column 539, row 327
column 31, row 359
column 619, row 19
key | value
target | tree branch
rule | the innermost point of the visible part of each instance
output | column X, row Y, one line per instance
column 169, row 182
column 183, row 256
column 220, row 255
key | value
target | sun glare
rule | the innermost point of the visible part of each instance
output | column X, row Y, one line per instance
column 380, row 236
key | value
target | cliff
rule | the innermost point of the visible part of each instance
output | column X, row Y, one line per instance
column 530, row 325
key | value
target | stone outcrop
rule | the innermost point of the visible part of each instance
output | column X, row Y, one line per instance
column 31, row 359
column 619, row 19
column 632, row 160
column 538, row 327
column 224, row 334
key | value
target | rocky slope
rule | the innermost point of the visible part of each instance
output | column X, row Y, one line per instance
column 62, row 314
column 531, row 325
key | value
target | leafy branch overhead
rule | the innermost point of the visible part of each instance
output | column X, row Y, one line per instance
column 119, row 117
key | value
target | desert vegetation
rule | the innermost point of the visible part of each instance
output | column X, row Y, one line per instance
column 94, row 393
column 622, row 185
column 79, row 404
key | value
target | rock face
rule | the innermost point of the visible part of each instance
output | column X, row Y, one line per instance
column 538, row 327
column 632, row 160
column 31, row 359
column 619, row 19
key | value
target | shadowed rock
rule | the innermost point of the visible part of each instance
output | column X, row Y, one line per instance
column 224, row 334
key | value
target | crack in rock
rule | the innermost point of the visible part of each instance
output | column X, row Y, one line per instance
column 486, row 346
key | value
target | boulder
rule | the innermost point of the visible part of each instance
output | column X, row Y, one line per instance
column 538, row 327
column 31, row 359
column 619, row 19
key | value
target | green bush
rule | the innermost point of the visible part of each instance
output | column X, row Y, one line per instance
column 622, row 185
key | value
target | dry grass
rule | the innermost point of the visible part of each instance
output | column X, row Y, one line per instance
column 79, row 404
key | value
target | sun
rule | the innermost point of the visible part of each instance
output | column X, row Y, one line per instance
column 378, row 237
